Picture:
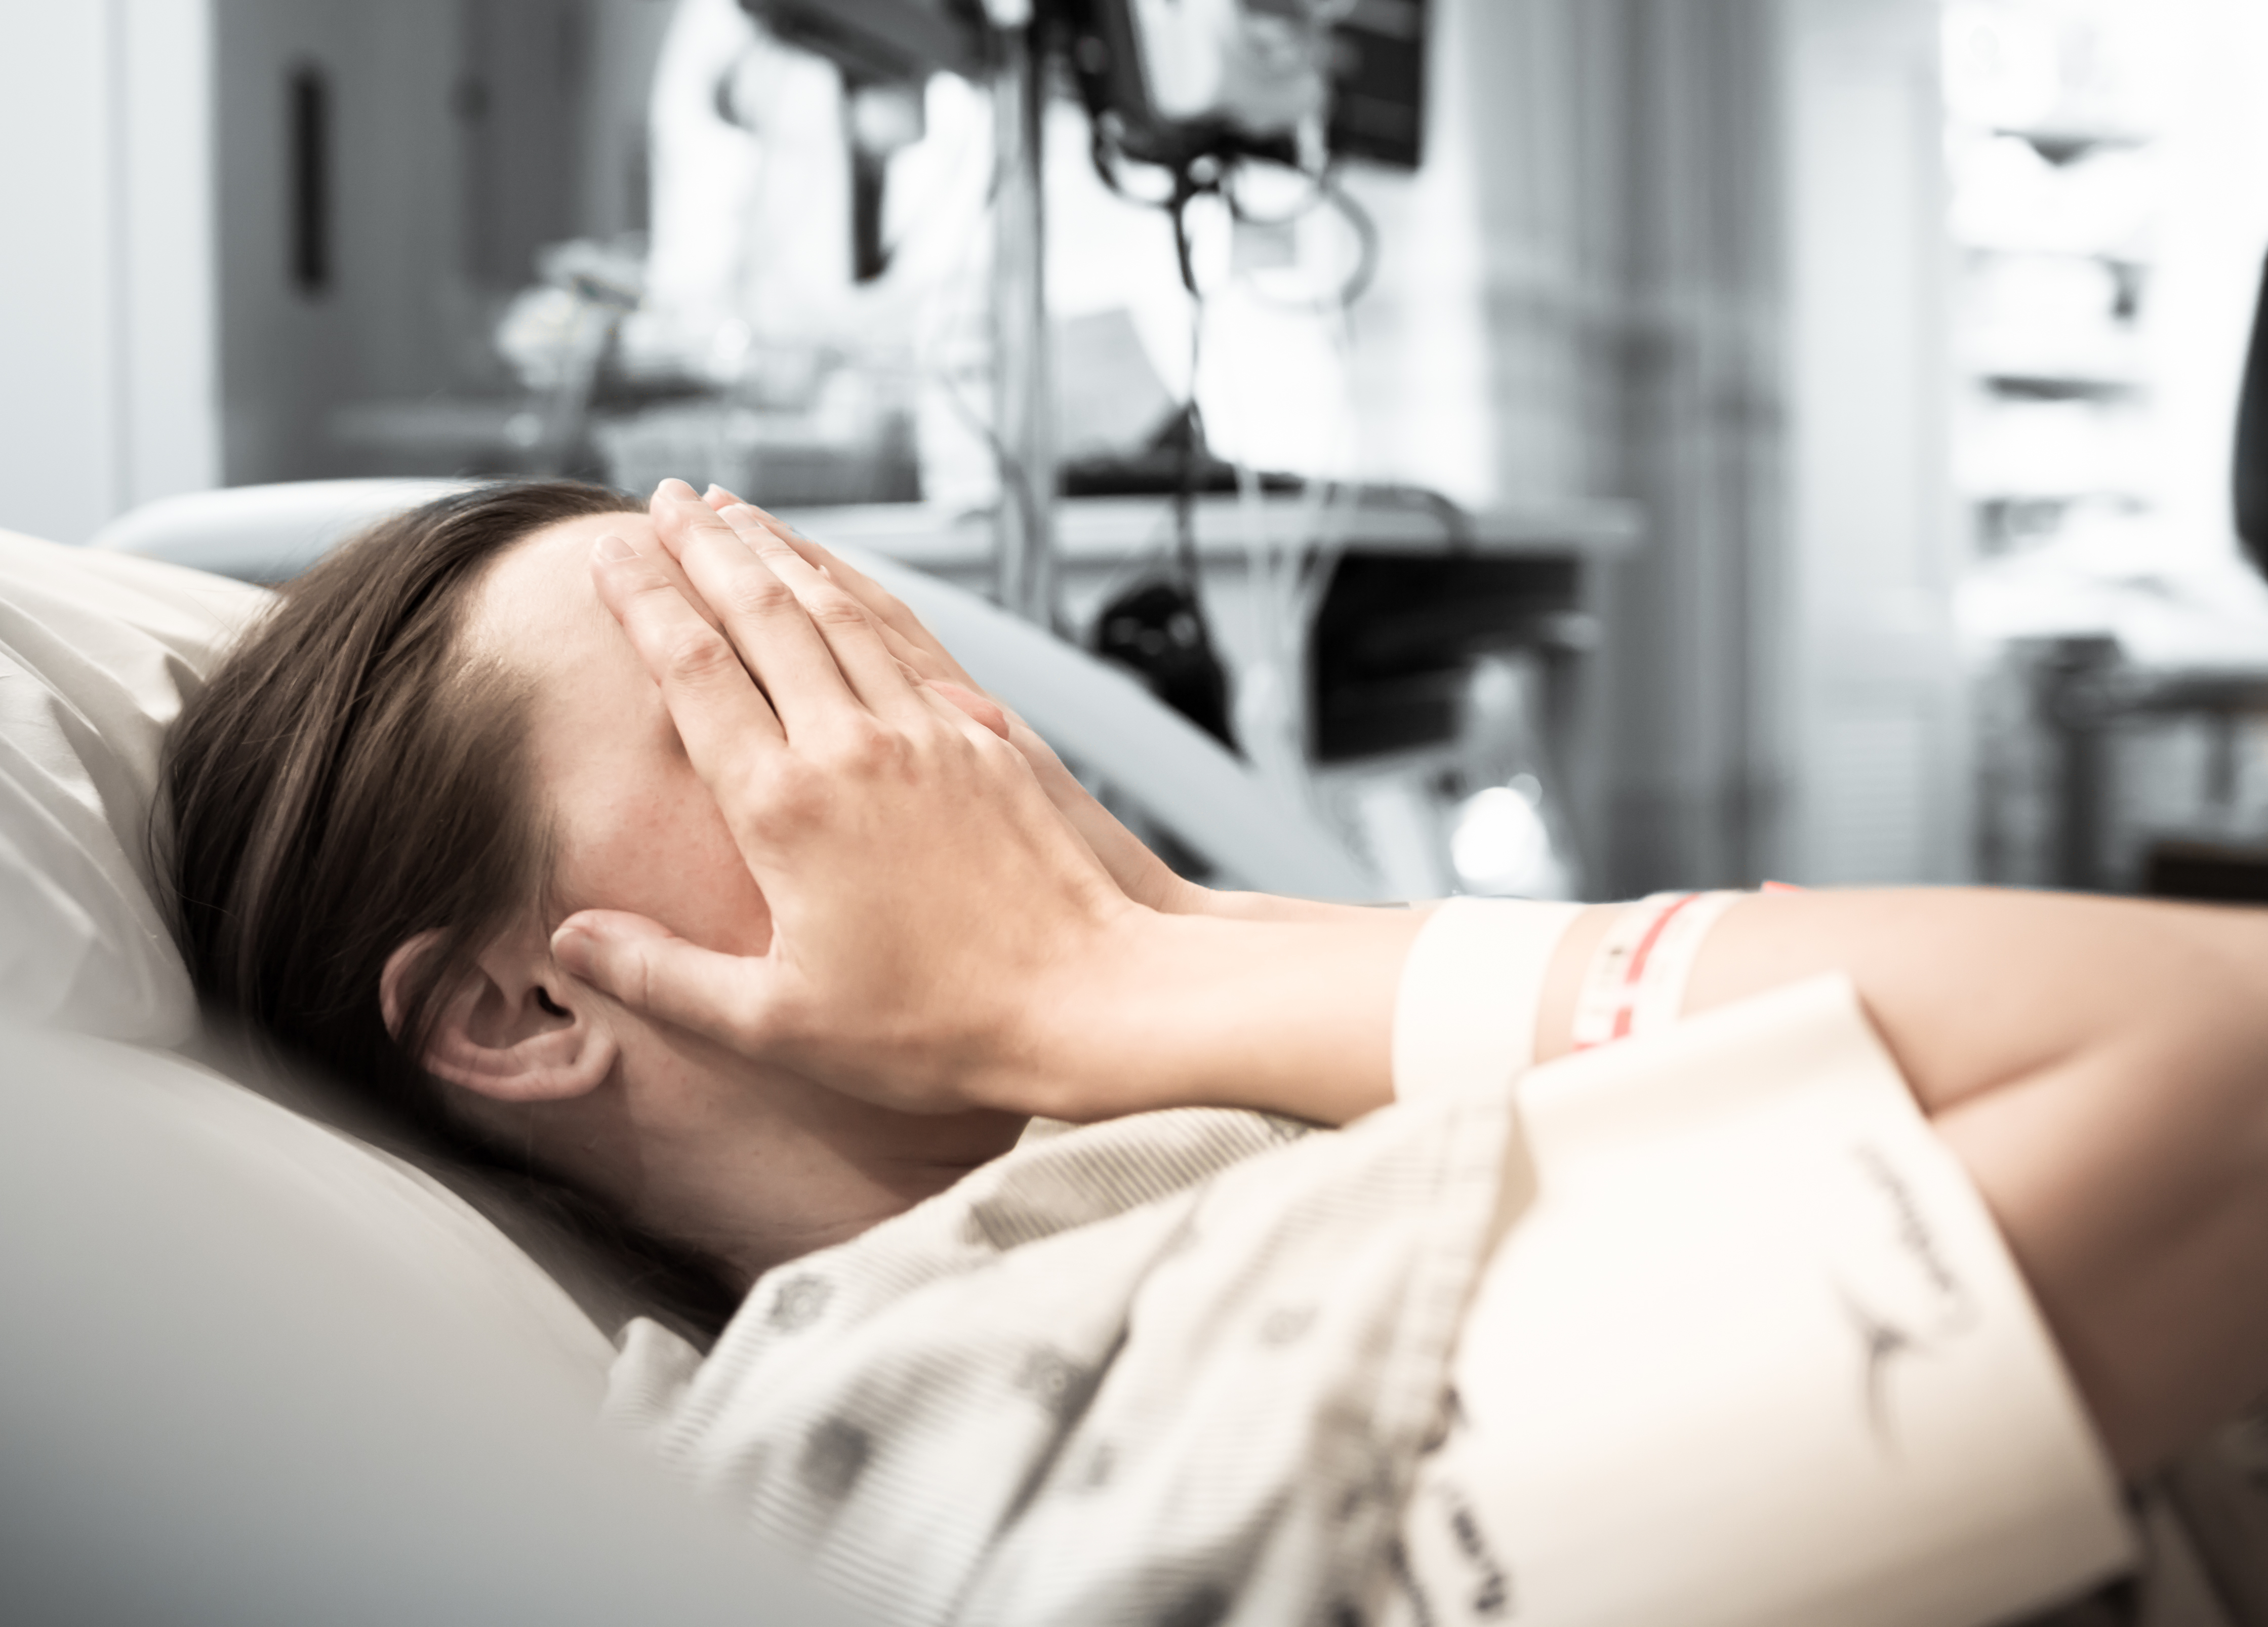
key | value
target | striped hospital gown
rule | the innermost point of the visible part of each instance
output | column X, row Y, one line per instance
column 1174, row 1369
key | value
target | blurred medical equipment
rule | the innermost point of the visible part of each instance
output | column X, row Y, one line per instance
column 557, row 335
column 817, row 323
column 1185, row 89
column 1188, row 87
column 811, row 165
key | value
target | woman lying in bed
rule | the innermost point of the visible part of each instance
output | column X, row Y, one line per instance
column 671, row 855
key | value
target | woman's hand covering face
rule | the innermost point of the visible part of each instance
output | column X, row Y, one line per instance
column 931, row 907
column 1140, row 874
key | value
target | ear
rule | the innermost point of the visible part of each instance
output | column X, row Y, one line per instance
column 518, row 1030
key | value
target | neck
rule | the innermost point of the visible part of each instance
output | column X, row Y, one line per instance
column 742, row 1222
column 751, row 1169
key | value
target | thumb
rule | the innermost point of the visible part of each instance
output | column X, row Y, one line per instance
column 642, row 964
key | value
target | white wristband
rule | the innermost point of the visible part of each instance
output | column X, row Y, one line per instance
column 1636, row 976
column 1465, row 1014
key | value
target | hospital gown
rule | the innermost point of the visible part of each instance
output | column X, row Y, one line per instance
column 1205, row 1365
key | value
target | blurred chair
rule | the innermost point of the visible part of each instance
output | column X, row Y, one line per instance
column 2087, row 688
column 2251, row 472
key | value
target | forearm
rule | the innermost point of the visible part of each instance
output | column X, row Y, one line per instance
column 1226, row 904
column 1292, row 1016
column 2099, row 1066
column 2101, row 1069
column 1971, row 988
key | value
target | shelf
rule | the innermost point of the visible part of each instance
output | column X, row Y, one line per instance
column 2118, row 260
column 2028, row 366
column 2065, row 144
column 1115, row 530
column 2030, row 385
column 2063, row 496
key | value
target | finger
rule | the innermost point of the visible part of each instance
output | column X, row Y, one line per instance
column 642, row 964
column 892, row 611
column 978, row 707
column 924, row 665
column 728, row 727
column 762, row 615
column 951, row 714
column 930, row 661
column 853, row 636
column 887, row 607
column 916, row 648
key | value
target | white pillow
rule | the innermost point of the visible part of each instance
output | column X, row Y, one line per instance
column 376, row 1216
column 98, row 651
column 242, row 1382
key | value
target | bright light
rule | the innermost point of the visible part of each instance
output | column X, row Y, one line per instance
column 1500, row 844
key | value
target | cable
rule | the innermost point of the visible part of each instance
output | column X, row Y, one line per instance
column 1192, row 436
column 1326, row 192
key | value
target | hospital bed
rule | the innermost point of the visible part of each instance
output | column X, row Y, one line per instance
column 257, row 1370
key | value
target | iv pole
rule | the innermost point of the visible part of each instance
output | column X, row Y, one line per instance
column 904, row 42
column 1023, row 393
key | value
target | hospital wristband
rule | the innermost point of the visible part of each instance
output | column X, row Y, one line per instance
column 1464, row 1015
column 1636, row 979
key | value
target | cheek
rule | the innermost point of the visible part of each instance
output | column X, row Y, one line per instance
column 659, row 849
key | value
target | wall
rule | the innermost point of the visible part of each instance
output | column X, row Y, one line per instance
column 1868, row 705
column 107, row 315
column 1581, row 298
column 1689, row 252
column 467, row 135
column 398, row 307
column 1699, row 440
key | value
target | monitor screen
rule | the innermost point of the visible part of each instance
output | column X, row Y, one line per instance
column 876, row 41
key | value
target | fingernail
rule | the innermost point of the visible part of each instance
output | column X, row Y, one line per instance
column 677, row 489
column 714, row 490
column 611, row 548
column 572, row 947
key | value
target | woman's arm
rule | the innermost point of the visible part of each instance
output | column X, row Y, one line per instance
column 2099, row 1065
column 941, row 940
column 2101, row 1069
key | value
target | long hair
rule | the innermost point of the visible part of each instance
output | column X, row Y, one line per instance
column 349, row 776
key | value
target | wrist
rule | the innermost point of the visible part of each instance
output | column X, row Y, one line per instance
column 1270, row 907
column 1200, row 1010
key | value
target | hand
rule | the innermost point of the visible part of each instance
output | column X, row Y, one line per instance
column 933, row 913
column 1140, row 874
column 941, row 938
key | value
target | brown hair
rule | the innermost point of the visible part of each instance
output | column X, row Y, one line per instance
column 348, row 778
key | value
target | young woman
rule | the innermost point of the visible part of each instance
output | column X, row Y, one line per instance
column 670, row 853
